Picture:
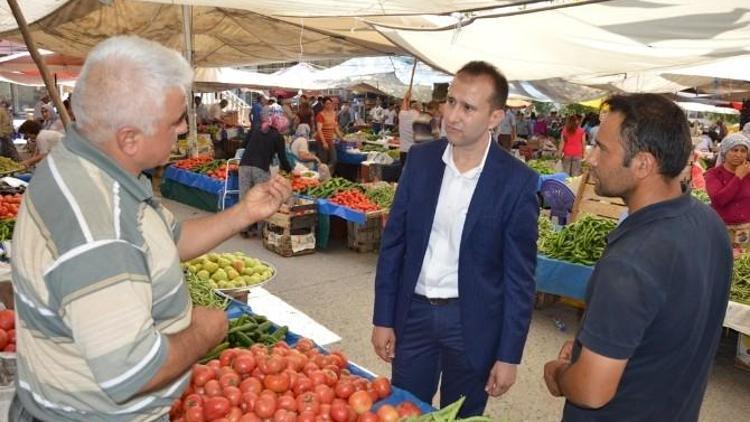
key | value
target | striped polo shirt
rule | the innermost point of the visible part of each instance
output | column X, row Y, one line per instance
column 98, row 287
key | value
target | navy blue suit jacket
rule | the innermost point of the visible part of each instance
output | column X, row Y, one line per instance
column 497, row 253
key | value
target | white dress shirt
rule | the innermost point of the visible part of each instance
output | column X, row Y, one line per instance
column 439, row 275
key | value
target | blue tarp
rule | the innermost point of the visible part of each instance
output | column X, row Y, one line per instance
column 237, row 308
column 344, row 156
column 205, row 183
column 326, row 207
column 561, row 278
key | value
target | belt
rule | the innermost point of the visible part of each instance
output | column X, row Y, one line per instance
column 436, row 301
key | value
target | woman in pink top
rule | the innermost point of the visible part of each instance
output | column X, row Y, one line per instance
column 728, row 186
column 571, row 146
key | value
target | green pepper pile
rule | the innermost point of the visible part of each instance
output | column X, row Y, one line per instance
column 447, row 414
column 701, row 195
column 740, row 291
column 582, row 242
column 328, row 188
column 246, row 331
column 541, row 166
column 9, row 166
column 381, row 195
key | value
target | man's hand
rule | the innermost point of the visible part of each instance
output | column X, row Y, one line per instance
column 502, row 377
column 265, row 199
column 384, row 342
column 566, row 352
column 551, row 370
column 742, row 170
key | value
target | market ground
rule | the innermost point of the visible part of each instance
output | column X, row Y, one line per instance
column 335, row 287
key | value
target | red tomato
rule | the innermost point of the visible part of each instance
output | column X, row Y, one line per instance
column 293, row 377
column 235, row 413
column 309, row 368
column 194, row 414
column 360, row 401
column 407, row 408
column 339, row 359
column 250, row 417
column 383, row 387
column 324, row 393
column 368, row 417
column 278, row 383
column 372, row 393
column 272, row 365
column 251, row 385
column 331, row 377
column 233, row 394
column 304, row 344
column 340, row 412
column 265, row 407
column 283, row 415
column 213, row 388
column 344, row 389
column 296, row 360
column 248, row 401
column 193, row 400
column 288, row 403
column 308, row 401
column 229, row 379
column 10, row 348
column 387, row 413
column 7, row 319
column 216, row 407
column 309, row 416
column 325, row 410
column 227, row 357
column 244, row 364
column 303, row 384
column 318, row 377
column 214, row 364
column 3, row 338
column 202, row 374
column 176, row 410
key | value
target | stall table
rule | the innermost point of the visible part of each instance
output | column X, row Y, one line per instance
column 197, row 190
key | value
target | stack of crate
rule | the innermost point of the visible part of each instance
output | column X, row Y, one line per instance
column 291, row 230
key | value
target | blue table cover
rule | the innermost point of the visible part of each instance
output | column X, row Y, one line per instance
column 204, row 183
column 344, row 156
column 326, row 207
column 237, row 308
column 560, row 177
column 561, row 278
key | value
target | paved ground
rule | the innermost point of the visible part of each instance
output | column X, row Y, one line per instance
column 335, row 288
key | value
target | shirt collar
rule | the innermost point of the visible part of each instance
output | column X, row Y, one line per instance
column 139, row 187
column 471, row 173
column 658, row 211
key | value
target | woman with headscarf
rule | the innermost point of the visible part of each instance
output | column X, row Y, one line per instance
column 300, row 150
column 728, row 186
column 261, row 144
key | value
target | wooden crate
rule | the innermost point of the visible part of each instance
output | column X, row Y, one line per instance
column 365, row 237
column 298, row 214
column 588, row 202
column 288, row 242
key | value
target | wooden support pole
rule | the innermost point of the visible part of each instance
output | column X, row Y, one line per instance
column 48, row 82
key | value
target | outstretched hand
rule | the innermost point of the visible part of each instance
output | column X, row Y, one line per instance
column 264, row 199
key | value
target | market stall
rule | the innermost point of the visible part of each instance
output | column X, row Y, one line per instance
column 201, row 183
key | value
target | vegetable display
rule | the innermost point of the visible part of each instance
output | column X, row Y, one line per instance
column 701, row 195
column 541, row 166
column 301, row 184
column 329, row 188
column 283, row 383
column 7, row 330
column 354, row 199
column 9, row 205
column 740, row 291
column 381, row 195
column 447, row 414
column 202, row 294
column 246, row 331
column 582, row 242
column 9, row 166
column 229, row 270
column 191, row 164
column 215, row 169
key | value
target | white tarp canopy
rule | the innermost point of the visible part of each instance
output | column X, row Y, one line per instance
column 594, row 39
column 688, row 106
column 20, row 69
column 300, row 76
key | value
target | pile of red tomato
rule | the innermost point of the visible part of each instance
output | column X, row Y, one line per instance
column 7, row 330
column 284, row 384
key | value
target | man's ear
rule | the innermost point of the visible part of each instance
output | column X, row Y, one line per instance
column 496, row 117
column 645, row 165
column 129, row 140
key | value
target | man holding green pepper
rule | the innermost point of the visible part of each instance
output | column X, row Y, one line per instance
column 655, row 303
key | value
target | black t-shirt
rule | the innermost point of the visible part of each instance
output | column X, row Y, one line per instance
column 657, row 297
column 260, row 148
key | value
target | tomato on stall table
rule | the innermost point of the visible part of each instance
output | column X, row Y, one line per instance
column 287, row 403
column 304, row 345
column 278, row 383
column 248, row 401
column 193, row 400
column 250, row 417
column 212, row 388
column 226, row 358
column 283, row 415
column 382, row 386
column 387, row 413
column 308, row 401
column 233, row 394
column 344, row 389
column 3, row 338
column 272, row 365
column 325, row 394
column 407, row 408
column 360, row 402
column 7, row 319
column 308, row 416
column 251, row 385
column 340, row 412
column 10, row 348
column 303, row 384
column 12, row 336
column 368, row 417
column 216, row 407
column 235, row 413
column 202, row 374
column 265, row 406
column 244, row 364
column 194, row 414
column 229, row 379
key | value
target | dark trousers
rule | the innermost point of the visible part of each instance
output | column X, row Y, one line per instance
column 376, row 127
column 432, row 344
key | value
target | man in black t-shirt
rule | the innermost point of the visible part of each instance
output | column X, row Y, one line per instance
column 656, row 300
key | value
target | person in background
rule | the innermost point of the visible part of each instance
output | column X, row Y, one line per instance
column 655, row 302
column 554, row 125
column 344, row 117
column 300, row 149
column 43, row 103
column 422, row 128
column 216, row 111
column 304, row 115
column 261, row 146
column 95, row 248
column 572, row 146
column 317, row 106
column 46, row 122
column 287, row 108
column 389, row 122
column 274, row 108
column 406, row 118
column 39, row 141
column 506, row 130
column 377, row 115
column 7, row 148
column 201, row 111
column 256, row 111
column 327, row 131
column 522, row 125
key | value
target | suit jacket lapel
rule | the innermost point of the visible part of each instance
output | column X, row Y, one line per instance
column 485, row 192
column 434, row 175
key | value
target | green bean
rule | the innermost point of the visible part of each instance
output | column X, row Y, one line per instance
column 582, row 242
column 740, row 290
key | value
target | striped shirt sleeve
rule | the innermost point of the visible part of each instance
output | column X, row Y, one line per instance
column 98, row 290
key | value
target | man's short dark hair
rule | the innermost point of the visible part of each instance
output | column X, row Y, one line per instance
column 653, row 124
column 499, row 83
column 30, row 127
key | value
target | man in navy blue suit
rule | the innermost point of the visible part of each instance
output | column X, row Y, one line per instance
column 454, row 287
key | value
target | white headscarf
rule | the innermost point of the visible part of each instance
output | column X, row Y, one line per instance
column 731, row 141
